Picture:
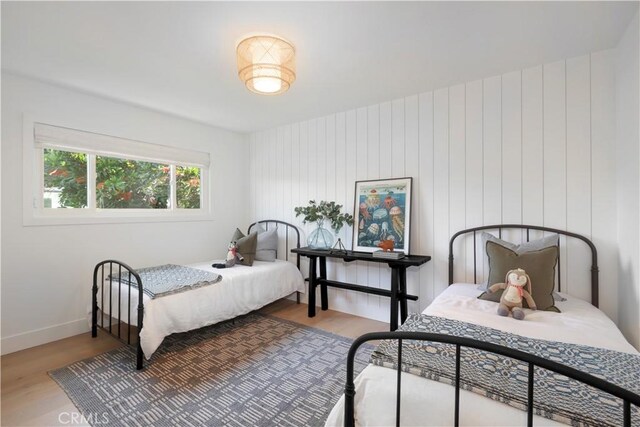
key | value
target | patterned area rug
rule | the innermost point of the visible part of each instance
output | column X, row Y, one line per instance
column 256, row 371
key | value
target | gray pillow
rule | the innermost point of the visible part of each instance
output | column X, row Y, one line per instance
column 267, row 244
column 532, row 246
column 540, row 265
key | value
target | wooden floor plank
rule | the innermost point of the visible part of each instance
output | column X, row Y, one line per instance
column 30, row 398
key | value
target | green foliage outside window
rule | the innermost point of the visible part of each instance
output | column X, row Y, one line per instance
column 131, row 184
column 120, row 183
column 67, row 171
column 188, row 187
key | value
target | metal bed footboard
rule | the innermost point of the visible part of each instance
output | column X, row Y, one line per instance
column 129, row 273
column 626, row 396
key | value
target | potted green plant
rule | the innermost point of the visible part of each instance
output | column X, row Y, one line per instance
column 321, row 238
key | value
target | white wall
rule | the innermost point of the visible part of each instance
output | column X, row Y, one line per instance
column 47, row 270
column 531, row 146
column 628, row 181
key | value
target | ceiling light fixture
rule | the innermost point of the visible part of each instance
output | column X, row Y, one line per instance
column 266, row 64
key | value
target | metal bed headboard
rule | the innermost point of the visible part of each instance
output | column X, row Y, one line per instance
column 528, row 228
column 288, row 226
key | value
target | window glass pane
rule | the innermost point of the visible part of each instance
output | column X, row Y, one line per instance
column 131, row 184
column 65, row 179
column 188, row 187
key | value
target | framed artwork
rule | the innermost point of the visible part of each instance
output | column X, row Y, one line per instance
column 382, row 212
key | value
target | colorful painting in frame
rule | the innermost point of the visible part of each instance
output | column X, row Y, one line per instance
column 382, row 212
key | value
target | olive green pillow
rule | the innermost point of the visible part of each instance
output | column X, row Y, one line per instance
column 540, row 265
column 246, row 246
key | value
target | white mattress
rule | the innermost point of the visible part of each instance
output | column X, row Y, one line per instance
column 241, row 290
column 430, row 403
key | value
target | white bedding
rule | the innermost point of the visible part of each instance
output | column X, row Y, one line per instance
column 430, row 403
column 241, row 290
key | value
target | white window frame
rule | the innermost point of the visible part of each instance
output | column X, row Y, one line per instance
column 34, row 212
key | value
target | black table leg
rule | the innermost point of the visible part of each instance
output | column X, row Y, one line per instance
column 312, row 287
column 393, row 321
column 402, row 272
column 324, row 296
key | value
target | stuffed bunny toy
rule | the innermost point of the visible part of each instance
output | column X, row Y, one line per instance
column 232, row 257
column 514, row 291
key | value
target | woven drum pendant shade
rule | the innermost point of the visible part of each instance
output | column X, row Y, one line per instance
column 266, row 64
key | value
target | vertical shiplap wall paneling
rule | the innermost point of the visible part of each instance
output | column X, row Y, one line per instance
column 511, row 109
column 555, row 151
column 252, row 182
column 321, row 163
column 273, row 171
column 441, row 188
column 397, row 139
column 280, row 211
column 578, row 168
column 425, row 196
column 457, row 173
column 305, row 194
column 603, row 196
column 264, row 144
column 351, row 168
column 532, row 146
column 412, row 169
column 321, row 170
column 474, row 174
column 295, row 172
column 386, row 145
column 361, row 174
column 313, row 165
column 373, row 169
column 287, row 183
column 341, row 197
column 330, row 192
column 258, row 173
column 492, row 152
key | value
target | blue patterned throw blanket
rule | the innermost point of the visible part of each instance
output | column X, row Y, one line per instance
column 169, row 279
column 556, row 397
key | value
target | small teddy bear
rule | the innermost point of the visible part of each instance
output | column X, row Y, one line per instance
column 232, row 257
column 514, row 292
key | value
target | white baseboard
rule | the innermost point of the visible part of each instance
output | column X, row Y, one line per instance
column 36, row 337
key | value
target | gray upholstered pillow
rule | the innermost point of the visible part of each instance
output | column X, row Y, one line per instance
column 246, row 246
column 540, row 265
column 267, row 244
column 533, row 245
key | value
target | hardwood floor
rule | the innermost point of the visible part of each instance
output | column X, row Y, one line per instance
column 30, row 398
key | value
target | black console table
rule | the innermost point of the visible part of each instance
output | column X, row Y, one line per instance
column 398, row 292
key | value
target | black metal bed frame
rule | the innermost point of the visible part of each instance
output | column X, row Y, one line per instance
column 134, row 280
column 627, row 396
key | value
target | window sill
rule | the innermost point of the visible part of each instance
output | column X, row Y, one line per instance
column 110, row 217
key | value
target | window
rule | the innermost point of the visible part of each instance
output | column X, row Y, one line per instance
column 65, row 179
column 90, row 175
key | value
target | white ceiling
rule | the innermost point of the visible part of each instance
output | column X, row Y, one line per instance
column 179, row 57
